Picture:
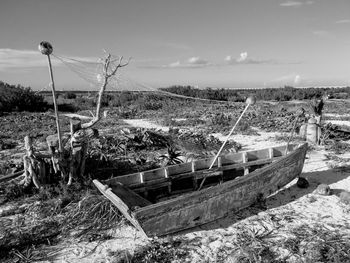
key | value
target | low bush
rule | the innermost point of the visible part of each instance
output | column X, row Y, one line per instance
column 18, row 98
column 70, row 95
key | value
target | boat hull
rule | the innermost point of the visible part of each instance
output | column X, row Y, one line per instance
column 207, row 205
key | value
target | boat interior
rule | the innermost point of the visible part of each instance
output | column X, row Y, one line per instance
column 165, row 183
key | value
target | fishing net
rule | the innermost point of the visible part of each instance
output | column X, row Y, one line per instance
column 93, row 71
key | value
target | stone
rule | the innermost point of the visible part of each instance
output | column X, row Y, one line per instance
column 345, row 197
column 323, row 189
column 302, row 182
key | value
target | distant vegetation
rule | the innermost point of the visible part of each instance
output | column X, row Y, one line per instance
column 279, row 94
column 152, row 101
column 18, row 98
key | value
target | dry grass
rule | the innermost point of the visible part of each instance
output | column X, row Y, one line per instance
column 48, row 222
column 92, row 215
column 303, row 243
column 161, row 250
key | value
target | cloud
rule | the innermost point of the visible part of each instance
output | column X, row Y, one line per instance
column 11, row 59
column 193, row 62
column 174, row 64
column 197, row 61
column 295, row 3
column 343, row 21
column 244, row 59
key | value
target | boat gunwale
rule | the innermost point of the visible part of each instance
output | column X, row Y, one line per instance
column 216, row 167
column 240, row 180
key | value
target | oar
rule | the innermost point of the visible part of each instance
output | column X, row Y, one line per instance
column 250, row 101
column 300, row 112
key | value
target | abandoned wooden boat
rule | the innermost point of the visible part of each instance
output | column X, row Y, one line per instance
column 166, row 200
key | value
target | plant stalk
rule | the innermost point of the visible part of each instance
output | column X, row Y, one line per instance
column 55, row 106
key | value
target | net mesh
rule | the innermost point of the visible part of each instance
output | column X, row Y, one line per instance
column 93, row 72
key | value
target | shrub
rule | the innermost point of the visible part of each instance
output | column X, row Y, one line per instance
column 70, row 95
column 18, row 98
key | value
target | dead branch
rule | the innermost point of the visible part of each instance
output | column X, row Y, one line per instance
column 107, row 76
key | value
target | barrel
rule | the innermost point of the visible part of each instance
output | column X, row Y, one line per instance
column 302, row 131
column 313, row 131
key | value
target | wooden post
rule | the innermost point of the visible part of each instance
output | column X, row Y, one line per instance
column 245, row 160
column 46, row 49
column 55, row 106
column 300, row 112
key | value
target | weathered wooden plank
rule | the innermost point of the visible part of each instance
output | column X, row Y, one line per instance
column 152, row 184
column 119, row 203
column 127, row 180
column 179, row 168
column 220, row 161
column 200, row 174
column 129, row 197
column 205, row 163
column 231, row 158
column 154, row 174
column 245, row 160
column 225, row 160
column 248, row 164
column 194, row 215
column 257, row 155
column 280, row 150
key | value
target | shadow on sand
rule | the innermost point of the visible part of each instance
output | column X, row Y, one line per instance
column 281, row 198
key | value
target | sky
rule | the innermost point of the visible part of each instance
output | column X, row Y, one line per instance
column 204, row 43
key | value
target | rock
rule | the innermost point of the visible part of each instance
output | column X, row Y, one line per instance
column 302, row 183
column 323, row 189
column 345, row 197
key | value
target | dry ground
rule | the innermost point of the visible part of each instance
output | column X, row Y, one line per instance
column 290, row 210
column 293, row 216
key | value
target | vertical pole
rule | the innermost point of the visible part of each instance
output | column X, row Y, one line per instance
column 299, row 113
column 55, row 106
column 291, row 134
column 223, row 145
column 228, row 137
